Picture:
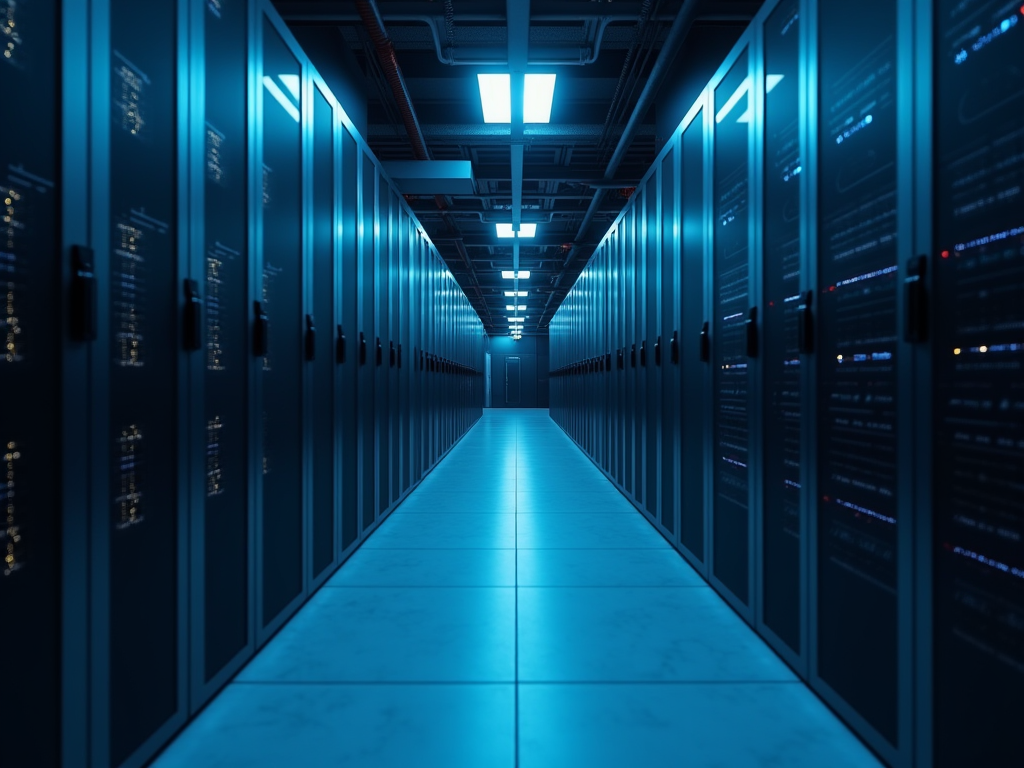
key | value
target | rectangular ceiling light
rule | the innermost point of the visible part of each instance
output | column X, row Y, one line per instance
column 515, row 307
column 517, row 319
column 526, row 229
column 538, row 93
column 516, row 293
column 508, row 274
column 496, row 98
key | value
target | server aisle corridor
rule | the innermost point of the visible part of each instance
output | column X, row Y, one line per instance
column 516, row 610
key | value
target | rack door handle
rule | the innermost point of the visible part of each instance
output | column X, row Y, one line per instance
column 392, row 355
column 674, row 347
column 339, row 348
column 751, row 330
column 632, row 357
column 805, row 323
column 621, row 354
column 362, row 348
column 310, row 338
column 916, row 301
column 380, row 352
column 83, row 294
column 705, row 343
column 643, row 353
column 193, row 318
column 260, row 331
column 657, row 351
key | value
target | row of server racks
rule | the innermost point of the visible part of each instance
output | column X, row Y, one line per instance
column 229, row 351
column 799, row 351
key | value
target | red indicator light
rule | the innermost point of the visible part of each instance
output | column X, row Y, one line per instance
column 945, row 254
column 1022, row 10
column 831, row 287
column 771, row 303
column 825, row 498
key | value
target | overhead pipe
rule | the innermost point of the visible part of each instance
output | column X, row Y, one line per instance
column 673, row 42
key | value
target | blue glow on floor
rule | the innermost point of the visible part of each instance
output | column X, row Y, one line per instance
column 516, row 610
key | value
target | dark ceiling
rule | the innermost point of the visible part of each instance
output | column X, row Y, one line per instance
column 606, row 52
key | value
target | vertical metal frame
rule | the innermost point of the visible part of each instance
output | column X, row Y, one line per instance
column 307, row 267
column 708, row 116
column 755, row 281
column 99, row 485
column 75, row 458
column 921, row 642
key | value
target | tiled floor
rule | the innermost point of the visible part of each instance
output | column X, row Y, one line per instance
column 516, row 611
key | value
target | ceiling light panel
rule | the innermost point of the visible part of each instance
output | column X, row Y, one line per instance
column 496, row 98
column 516, row 293
column 538, row 93
column 508, row 274
column 526, row 229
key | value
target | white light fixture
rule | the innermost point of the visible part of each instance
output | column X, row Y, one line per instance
column 516, row 293
column 538, row 93
column 526, row 229
column 508, row 274
column 496, row 98
column 517, row 319
column 515, row 307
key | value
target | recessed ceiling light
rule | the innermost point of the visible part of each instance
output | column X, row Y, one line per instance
column 496, row 98
column 526, row 229
column 508, row 274
column 538, row 93
column 516, row 293
column 515, row 307
column 517, row 319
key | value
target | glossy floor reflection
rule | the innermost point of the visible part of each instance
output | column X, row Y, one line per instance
column 515, row 610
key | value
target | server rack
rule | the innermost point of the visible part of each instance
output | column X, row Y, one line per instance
column 867, row 378
column 182, row 304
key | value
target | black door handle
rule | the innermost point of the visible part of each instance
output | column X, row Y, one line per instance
column 339, row 349
column 193, row 319
column 657, row 351
column 310, row 338
column 805, row 323
column 83, row 294
column 392, row 358
column 260, row 331
column 380, row 352
column 674, row 346
column 751, row 326
column 632, row 357
column 362, row 348
column 608, row 362
column 705, row 344
column 643, row 353
column 622, row 358
column 916, row 299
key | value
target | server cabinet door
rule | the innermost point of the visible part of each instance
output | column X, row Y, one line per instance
column 347, row 352
column 668, row 331
column 780, row 560
column 857, row 516
column 222, row 531
column 30, row 375
column 367, row 347
column 733, row 316
column 319, row 338
column 977, row 418
column 384, row 237
column 391, row 350
column 140, row 427
column 652, row 374
column 693, row 528
column 407, row 235
column 281, row 531
column 629, row 291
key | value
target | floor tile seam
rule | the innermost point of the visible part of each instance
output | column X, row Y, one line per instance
column 509, row 683
column 515, row 668
column 663, row 682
